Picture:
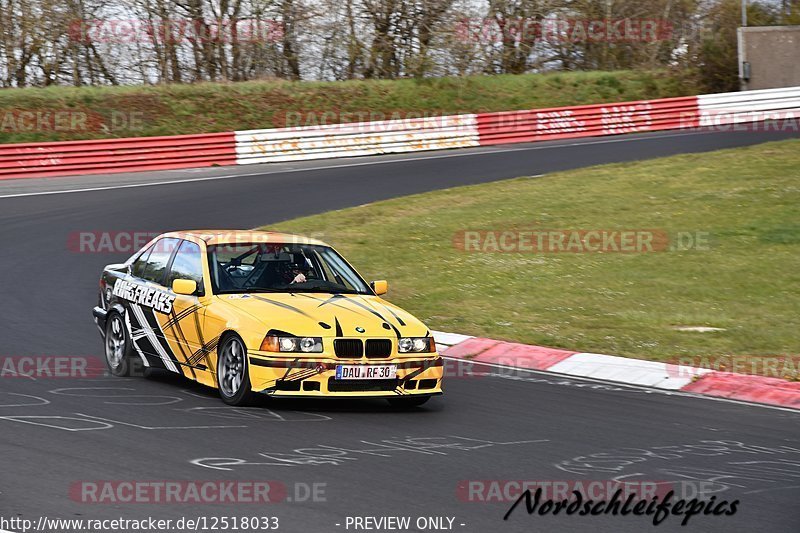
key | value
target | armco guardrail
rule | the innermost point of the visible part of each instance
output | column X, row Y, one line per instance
column 356, row 139
column 116, row 155
column 587, row 121
column 395, row 136
column 749, row 106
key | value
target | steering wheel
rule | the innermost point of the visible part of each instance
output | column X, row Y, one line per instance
column 226, row 281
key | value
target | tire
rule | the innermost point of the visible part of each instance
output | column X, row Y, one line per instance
column 117, row 346
column 408, row 402
column 233, row 373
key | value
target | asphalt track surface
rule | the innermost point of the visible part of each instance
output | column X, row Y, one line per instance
column 370, row 461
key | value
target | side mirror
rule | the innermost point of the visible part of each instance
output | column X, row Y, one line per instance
column 186, row 287
column 380, row 287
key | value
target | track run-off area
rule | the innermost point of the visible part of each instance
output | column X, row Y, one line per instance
column 329, row 461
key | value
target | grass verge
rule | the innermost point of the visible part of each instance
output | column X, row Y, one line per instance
column 743, row 278
column 65, row 113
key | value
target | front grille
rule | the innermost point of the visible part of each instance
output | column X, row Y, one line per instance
column 378, row 348
column 361, row 385
column 350, row 348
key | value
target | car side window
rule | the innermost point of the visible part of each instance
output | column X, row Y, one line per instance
column 187, row 264
column 138, row 266
column 158, row 261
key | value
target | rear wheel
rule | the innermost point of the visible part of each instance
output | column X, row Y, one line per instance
column 233, row 377
column 118, row 346
column 408, row 402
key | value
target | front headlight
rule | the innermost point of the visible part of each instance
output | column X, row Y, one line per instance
column 416, row 345
column 273, row 343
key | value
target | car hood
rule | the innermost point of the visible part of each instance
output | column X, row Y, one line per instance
column 328, row 315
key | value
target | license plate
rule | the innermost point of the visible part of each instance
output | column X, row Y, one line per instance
column 366, row 371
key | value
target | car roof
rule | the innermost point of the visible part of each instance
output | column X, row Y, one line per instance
column 234, row 236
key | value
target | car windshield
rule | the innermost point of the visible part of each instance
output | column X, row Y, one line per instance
column 260, row 267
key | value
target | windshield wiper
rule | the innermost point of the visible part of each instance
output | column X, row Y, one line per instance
column 330, row 291
column 251, row 289
column 263, row 289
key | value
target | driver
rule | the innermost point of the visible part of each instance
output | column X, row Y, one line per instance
column 298, row 273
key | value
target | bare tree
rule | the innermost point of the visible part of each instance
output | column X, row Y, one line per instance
column 80, row 42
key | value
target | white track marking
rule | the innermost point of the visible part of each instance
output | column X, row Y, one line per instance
column 264, row 415
column 328, row 167
column 12, row 371
column 190, row 393
column 41, row 401
column 166, row 400
column 111, row 422
column 25, row 419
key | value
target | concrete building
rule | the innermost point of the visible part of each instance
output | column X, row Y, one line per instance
column 769, row 57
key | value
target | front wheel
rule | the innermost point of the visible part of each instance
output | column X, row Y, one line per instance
column 233, row 378
column 408, row 402
column 118, row 346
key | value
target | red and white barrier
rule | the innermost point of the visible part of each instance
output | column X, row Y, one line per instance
column 26, row 160
column 356, row 139
column 655, row 374
column 721, row 111
column 585, row 121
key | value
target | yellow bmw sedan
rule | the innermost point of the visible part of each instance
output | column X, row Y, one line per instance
column 251, row 312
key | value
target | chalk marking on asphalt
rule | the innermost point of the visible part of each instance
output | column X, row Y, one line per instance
column 329, row 167
column 112, row 422
column 29, row 419
column 42, row 401
column 148, row 398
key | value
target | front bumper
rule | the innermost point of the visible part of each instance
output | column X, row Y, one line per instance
column 100, row 315
column 316, row 377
